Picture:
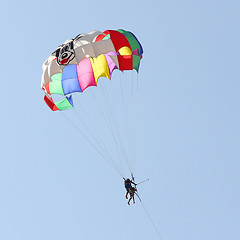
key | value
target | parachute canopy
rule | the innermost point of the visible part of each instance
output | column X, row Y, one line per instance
column 80, row 62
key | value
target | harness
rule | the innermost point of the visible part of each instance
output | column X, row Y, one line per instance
column 128, row 185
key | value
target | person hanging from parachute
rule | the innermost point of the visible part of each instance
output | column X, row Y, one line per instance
column 130, row 189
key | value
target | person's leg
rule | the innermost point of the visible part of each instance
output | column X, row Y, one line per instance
column 129, row 200
column 126, row 195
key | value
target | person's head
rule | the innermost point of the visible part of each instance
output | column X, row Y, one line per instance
column 127, row 180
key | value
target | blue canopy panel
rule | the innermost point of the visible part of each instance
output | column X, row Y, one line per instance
column 70, row 81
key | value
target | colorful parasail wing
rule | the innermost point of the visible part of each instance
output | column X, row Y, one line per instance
column 80, row 62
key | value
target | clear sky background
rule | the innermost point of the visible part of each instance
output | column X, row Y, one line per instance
column 54, row 185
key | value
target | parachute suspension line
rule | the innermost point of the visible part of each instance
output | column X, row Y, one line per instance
column 89, row 129
column 135, row 120
column 112, row 123
column 131, row 107
column 130, row 96
column 108, row 99
column 116, row 125
column 125, row 115
column 132, row 121
column 109, row 124
column 131, row 93
column 93, row 130
column 95, row 136
column 127, row 108
column 149, row 217
column 121, row 88
column 87, row 139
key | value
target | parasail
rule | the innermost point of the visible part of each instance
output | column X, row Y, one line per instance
column 78, row 64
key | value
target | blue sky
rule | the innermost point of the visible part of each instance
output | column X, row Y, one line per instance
column 54, row 185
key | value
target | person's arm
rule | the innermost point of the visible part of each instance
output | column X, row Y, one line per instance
column 134, row 183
